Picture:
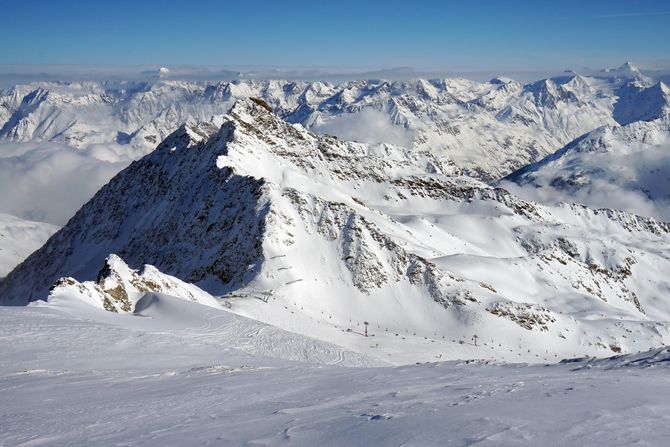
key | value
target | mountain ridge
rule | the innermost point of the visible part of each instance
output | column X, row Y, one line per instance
column 279, row 221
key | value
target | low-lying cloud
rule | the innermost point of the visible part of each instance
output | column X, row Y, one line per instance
column 631, row 177
column 367, row 126
column 49, row 182
column 599, row 195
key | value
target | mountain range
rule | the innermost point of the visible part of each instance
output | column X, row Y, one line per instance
column 487, row 129
column 318, row 235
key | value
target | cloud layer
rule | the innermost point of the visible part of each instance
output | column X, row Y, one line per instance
column 629, row 177
column 367, row 126
column 48, row 182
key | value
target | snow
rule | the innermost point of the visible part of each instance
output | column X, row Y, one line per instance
column 92, row 377
column 121, row 289
column 487, row 129
column 316, row 235
column 250, row 282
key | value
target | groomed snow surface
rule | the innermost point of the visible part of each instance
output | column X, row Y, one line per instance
column 180, row 373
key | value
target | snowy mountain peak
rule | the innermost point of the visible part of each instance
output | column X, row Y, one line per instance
column 628, row 67
column 258, row 210
column 251, row 107
column 628, row 73
column 579, row 84
column 614, row 166
column 444, row 116
column 637, row 103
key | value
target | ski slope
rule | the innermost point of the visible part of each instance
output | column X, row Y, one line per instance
column 82, row 376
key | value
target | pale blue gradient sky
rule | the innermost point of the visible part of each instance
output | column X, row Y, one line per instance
column 473, row 34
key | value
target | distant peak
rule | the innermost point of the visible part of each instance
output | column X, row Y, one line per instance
column 501, row 80
column 578, row 81
column 628, row 72
column 625, row 69
column 629, row 66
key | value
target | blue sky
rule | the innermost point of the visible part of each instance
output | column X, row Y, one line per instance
column 472, row 34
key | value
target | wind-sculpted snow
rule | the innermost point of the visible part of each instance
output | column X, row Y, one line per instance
column 655, row 358
column 318, row 236
column 179, row 373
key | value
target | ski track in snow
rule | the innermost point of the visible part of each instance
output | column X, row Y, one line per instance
column 98, row 379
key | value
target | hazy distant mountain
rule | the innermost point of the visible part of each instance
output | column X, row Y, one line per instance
column 488, row 129
column 626, row 166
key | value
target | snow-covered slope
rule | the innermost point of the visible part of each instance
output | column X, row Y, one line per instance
column 488, row 129
column 641, row 102
column 318, row 235
column 209, row 378
column 19, row 238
